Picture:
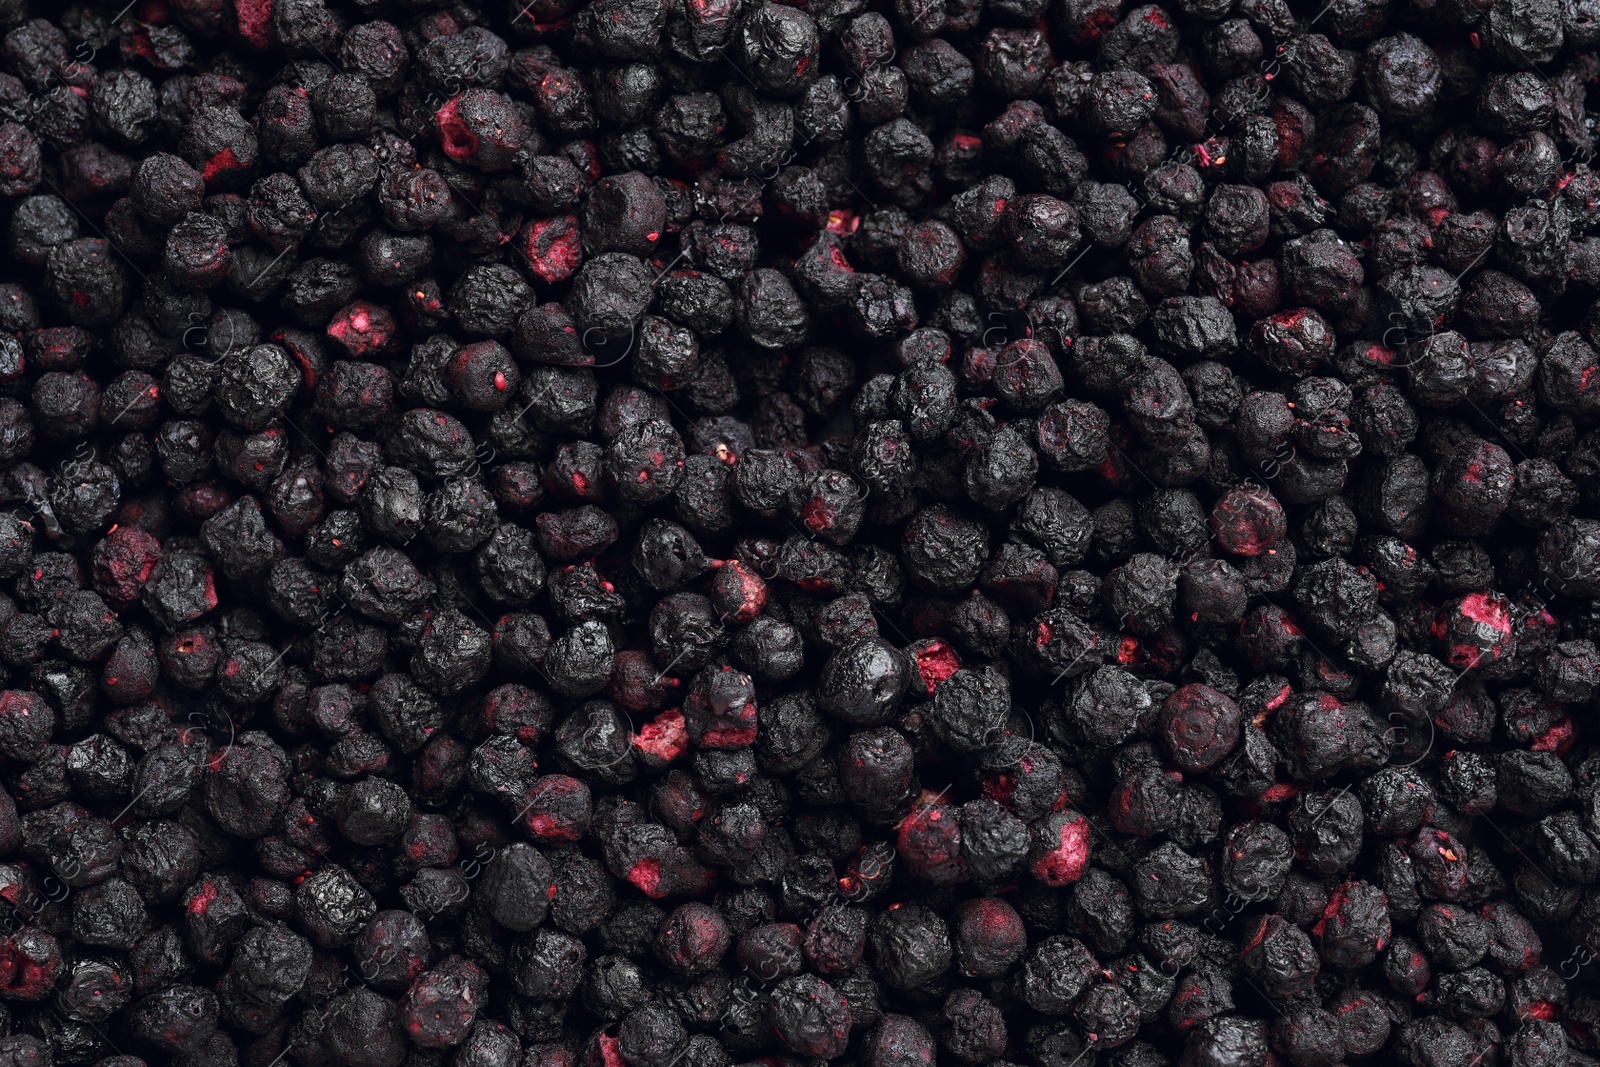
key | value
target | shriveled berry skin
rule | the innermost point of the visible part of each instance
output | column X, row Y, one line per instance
column 438, row 1010
column 1248, row 521
column 989, row 937
column 909, row 945
column 692, row 940
column 1321, row 733
column 863, row 682
column 1200, row 727
column 246, row 790
column 809, row 1017
column 941, row 549
column 178, row 1019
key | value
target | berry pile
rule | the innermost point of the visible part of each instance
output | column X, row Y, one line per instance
column 684, row 533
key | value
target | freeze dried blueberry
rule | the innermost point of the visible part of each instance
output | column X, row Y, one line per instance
column 863, row 683
column 1199, row 727
column 176, row 1020
column 246, row 789
column 1417, row 204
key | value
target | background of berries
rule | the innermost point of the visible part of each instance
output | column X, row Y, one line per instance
column 641, row 533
